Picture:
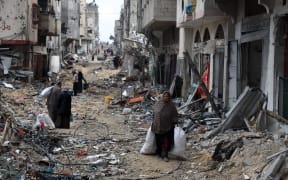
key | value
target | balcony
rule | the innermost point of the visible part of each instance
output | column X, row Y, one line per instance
column 195, row 13
column 159, row 14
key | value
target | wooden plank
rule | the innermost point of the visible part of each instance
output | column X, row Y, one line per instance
column 201, row 83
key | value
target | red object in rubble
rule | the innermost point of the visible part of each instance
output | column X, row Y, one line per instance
column 81, row 153
column 42, row 124
column 21, row 132
column 135, row 99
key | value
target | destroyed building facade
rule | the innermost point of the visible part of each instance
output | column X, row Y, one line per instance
column 159, row 26
column 34, row 35
column 18, row 33
column 244, row 43
column 90, row 39
column 256, row 50
column 70, row 26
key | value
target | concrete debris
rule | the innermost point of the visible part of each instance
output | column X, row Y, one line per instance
column 225, row 149
column 274, row 171
column 247, row 105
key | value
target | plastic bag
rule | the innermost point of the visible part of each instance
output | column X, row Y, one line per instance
column 85, row 86
column 44, row 120
column 46, row 91
column 149, row 146
column 126, row 111
column 179, row 143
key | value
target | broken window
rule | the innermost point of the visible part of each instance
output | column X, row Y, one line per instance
column 206, row 35
column 197, row 37
column 220, row 32
column 64, row 28
column 252, row 8
column 35, row 14
column 43, row 6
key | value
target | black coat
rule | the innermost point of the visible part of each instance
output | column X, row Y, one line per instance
column 64, row 104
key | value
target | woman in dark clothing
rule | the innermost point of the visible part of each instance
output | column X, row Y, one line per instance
column 75, row 82
column 64, row 110
column 80, row 81
column 52, row 101
column 116, row 62
column 164, row 120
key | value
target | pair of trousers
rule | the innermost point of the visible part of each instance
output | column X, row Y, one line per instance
column 164, row 143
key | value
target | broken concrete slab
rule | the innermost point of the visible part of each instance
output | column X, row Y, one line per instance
column 247, row 105
column 225, row 149
column 274, row 169
column 271, row 122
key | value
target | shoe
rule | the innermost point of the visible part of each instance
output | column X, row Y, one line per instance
column 165, row 159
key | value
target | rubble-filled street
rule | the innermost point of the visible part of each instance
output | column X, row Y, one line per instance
column 143, row 89
column 104, row 140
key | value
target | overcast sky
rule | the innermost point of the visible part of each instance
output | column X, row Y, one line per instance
column 109, row 11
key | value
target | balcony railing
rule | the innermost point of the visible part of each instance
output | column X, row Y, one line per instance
column 195, row 12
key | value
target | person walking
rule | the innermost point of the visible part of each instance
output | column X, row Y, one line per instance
column 63, row 110
column 75, row 82
column 164, row 120
column 80, row 81
column 116, row 62
column 52, row 101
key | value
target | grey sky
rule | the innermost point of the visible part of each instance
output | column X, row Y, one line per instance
column 109, row 11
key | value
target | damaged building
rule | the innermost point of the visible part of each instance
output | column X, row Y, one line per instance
column 18, row 33
column 234, row 44
column 36, row 35
column 243, row 42
column 48, row 47
column 30, row 36
column 70, row 26
column 258, row 47
column 89, row 29
column 158, row 23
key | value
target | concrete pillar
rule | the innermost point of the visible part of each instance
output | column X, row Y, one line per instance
column 180, row 58
column 182, row 66
column 272, row 84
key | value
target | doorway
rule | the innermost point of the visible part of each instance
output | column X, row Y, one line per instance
column 218, row 74
column 160, row 71
column 251, row 64
column 282, row 53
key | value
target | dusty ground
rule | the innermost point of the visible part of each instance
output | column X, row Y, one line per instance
column 122, row 130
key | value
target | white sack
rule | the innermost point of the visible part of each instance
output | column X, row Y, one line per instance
column 127, row 110
column 44, row 118
column 6, row 61
column 149, row 146
column 46, row 91
column 179, row 143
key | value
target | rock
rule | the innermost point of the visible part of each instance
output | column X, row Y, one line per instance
column 66, row 172
column 248, row 161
